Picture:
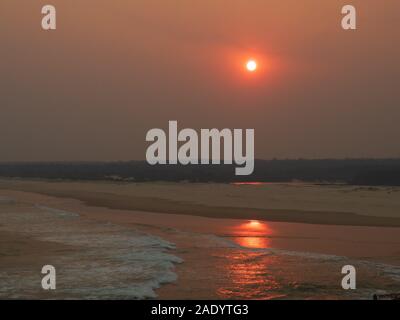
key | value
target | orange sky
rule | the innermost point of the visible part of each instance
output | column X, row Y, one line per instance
column 115, row 69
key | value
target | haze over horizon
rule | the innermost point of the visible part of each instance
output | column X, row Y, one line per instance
column 90, row 90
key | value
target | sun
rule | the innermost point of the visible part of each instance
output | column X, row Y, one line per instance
column 251, row 65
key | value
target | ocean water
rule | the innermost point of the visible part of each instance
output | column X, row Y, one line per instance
column 103, row 260
column 97, row 260
column 272, row 273
column 225, row 266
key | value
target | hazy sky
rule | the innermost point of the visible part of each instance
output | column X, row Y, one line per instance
column 115, row 69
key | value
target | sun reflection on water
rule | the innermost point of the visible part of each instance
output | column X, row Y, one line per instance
column 253, row 234
column 249, row 277
column 253, row 242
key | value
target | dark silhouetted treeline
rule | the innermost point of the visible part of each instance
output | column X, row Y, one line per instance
column 360, row 172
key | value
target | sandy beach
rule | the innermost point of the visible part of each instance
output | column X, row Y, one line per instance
column 289, row 202
column 188, row 241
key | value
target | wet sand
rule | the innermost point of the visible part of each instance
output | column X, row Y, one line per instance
column 20, row 249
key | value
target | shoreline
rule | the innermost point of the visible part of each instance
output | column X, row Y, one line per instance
column 205, row 245
column 156, row 201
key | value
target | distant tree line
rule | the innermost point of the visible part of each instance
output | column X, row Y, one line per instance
column 354, row 171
